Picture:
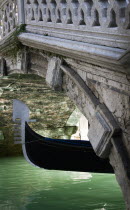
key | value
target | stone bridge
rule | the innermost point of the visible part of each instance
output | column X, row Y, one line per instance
column 81, row 47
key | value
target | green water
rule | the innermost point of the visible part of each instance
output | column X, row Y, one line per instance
column 24, row 187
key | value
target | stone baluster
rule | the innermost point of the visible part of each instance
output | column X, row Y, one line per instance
column 11, row 15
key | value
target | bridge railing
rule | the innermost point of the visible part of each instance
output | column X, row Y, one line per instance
column 105, row 22
column 11, row 15
column 8, row 17
column 102, row 22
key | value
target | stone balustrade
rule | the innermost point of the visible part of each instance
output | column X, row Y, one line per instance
column 102, row 22
column 74, row 14
column 92, row 21
column 8, row 17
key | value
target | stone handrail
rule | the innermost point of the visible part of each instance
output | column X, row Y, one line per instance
column 105, row 22
column 8, row 17
column 11, row 15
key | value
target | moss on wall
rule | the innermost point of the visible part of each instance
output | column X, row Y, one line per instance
column 12, row 45
column 51, row 109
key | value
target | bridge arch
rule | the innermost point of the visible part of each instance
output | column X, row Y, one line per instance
column 102, row 123
column 105, row 132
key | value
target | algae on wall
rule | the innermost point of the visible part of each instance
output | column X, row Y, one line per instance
column 51, row 109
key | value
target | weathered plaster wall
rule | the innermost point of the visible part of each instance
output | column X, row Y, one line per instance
column 112, row 88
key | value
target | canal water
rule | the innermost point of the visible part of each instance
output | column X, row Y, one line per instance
column 24, row 187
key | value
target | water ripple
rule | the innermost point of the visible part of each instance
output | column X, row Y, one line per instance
column 24, row 187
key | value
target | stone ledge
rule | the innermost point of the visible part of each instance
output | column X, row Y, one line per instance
column 74, row 49
column 106, row 38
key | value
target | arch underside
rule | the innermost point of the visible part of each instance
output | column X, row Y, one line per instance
column 103, row 126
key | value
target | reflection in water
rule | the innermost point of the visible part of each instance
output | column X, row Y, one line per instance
column 24, row 187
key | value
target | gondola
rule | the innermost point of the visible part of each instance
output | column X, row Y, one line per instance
column 61, row 154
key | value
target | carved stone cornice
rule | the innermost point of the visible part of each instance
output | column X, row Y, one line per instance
column 95, row 54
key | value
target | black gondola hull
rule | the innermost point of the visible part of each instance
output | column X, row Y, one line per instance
column 68, row 155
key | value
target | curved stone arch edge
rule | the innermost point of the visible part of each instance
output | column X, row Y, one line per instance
column 104, row 132
column 102, row 123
